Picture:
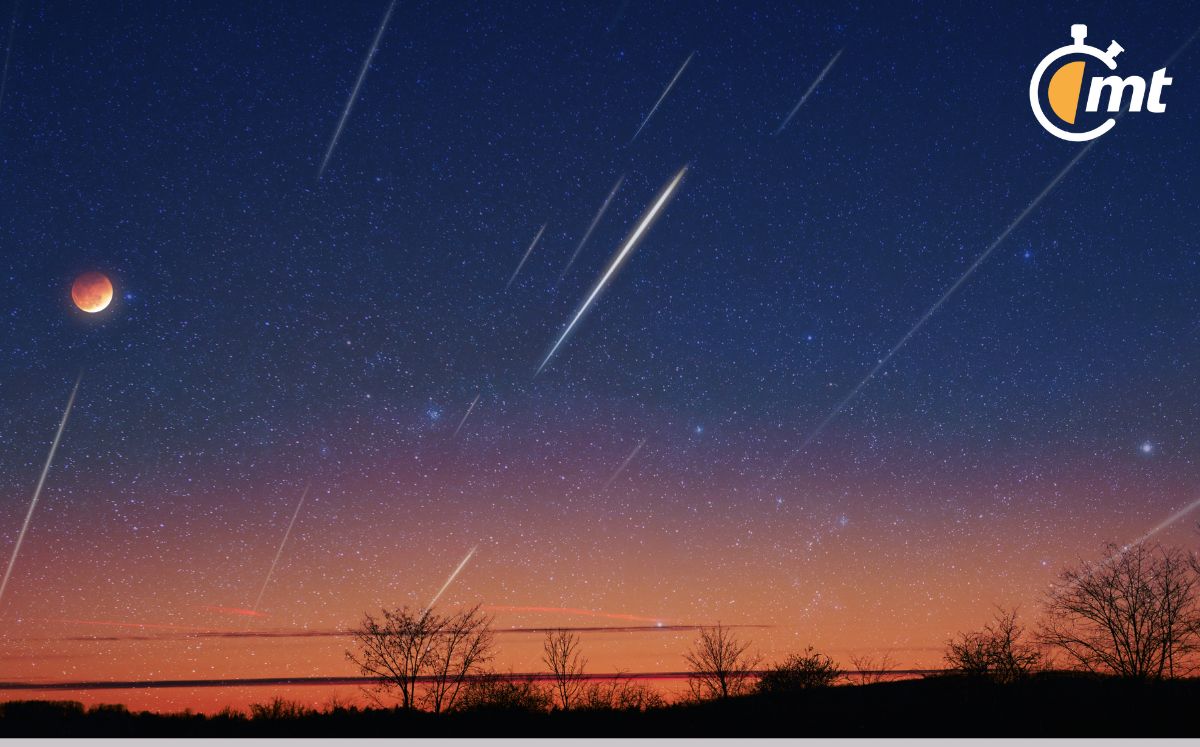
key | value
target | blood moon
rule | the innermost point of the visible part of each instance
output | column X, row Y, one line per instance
column 92, row 292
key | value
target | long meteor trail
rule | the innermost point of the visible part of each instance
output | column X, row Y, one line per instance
column 449, row 581
column 624, row 464
column 464, row 417
column 1164, row 524
column 37, row 492
column 528, row 251
column 592, row 226
column 666, row 90
column 963, row 278
column 279, row 552
column 362, row 75
column 12, row 30
column 809, row 92
column 663, row 198
column 938, row 304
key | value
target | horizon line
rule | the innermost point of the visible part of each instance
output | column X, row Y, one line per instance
column 360, row 680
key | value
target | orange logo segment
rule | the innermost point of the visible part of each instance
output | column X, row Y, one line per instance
column 1063, row 91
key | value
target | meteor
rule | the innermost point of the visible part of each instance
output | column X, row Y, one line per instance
column 624, row 464
column 883, row 361
column 809, row 92
column 449, row 581
column 1164, row 524
column 362, row 75
column 574, row 611
column 528, row 251
column 663, row 96
column 279, row 552
column 963, row 278
column 592, row 227
column 234, row 611
column 12, row 30
column 37, row 492
column 613, row 266
column 464, row 417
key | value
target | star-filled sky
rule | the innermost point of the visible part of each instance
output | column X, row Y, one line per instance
column 276, row 326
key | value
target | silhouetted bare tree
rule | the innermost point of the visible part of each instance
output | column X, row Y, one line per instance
column 719, row 664
column 869, row 670
column 395, row 647
column 464, row 644
column 1134, row 614
column 803, row 671
column 560, row 652
column 407, row 650
column 1000, row 651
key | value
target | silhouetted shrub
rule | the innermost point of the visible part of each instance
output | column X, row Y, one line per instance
column 998, row 652
column 279, row 709
column 41, row 710
column 619, row 694
column 803, row 671
column 495, row 692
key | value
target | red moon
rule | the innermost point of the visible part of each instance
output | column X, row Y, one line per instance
column 92, row 292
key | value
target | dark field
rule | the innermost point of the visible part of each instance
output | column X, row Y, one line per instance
column 1051, row 704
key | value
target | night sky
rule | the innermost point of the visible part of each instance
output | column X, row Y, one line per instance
column 272, row 329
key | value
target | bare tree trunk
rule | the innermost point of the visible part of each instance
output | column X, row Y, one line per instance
column 720, row 665
column 402, row 649
column 1134, row 614
column 561, row 654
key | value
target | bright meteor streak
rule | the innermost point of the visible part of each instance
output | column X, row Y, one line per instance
column 279, row 552
column 37, row 492
column 1164, row 524
column 362, row 75
column 12, row 30
column 467, row 415
column 624, row 464
column 592, row 227
column 663, row 96
column 883, row 361
column 613, row 266
column 573, row 611
column 809, row 92
column 963, row 278
column 449, row 581
column 528, row 251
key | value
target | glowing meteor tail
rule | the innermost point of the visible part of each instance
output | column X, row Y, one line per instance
column 362, row 75
column 37, row 492
column 663, row 96
column 449, row 581
column 624, row 464
column 883, row 360
column 1163, row 525
column 467, row 415
column 524, row 257
column 592, row 227
column 634, row 238
column 279, row 552
column 12, row 30
column 809, row 92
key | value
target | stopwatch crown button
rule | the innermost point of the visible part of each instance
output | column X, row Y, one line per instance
column 1079, row 32
column 1114, row 49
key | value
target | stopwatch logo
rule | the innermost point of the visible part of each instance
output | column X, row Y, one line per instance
column 1062, row 93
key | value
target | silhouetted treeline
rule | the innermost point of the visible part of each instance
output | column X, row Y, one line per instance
column 1127, row 625
column 1043, row 704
